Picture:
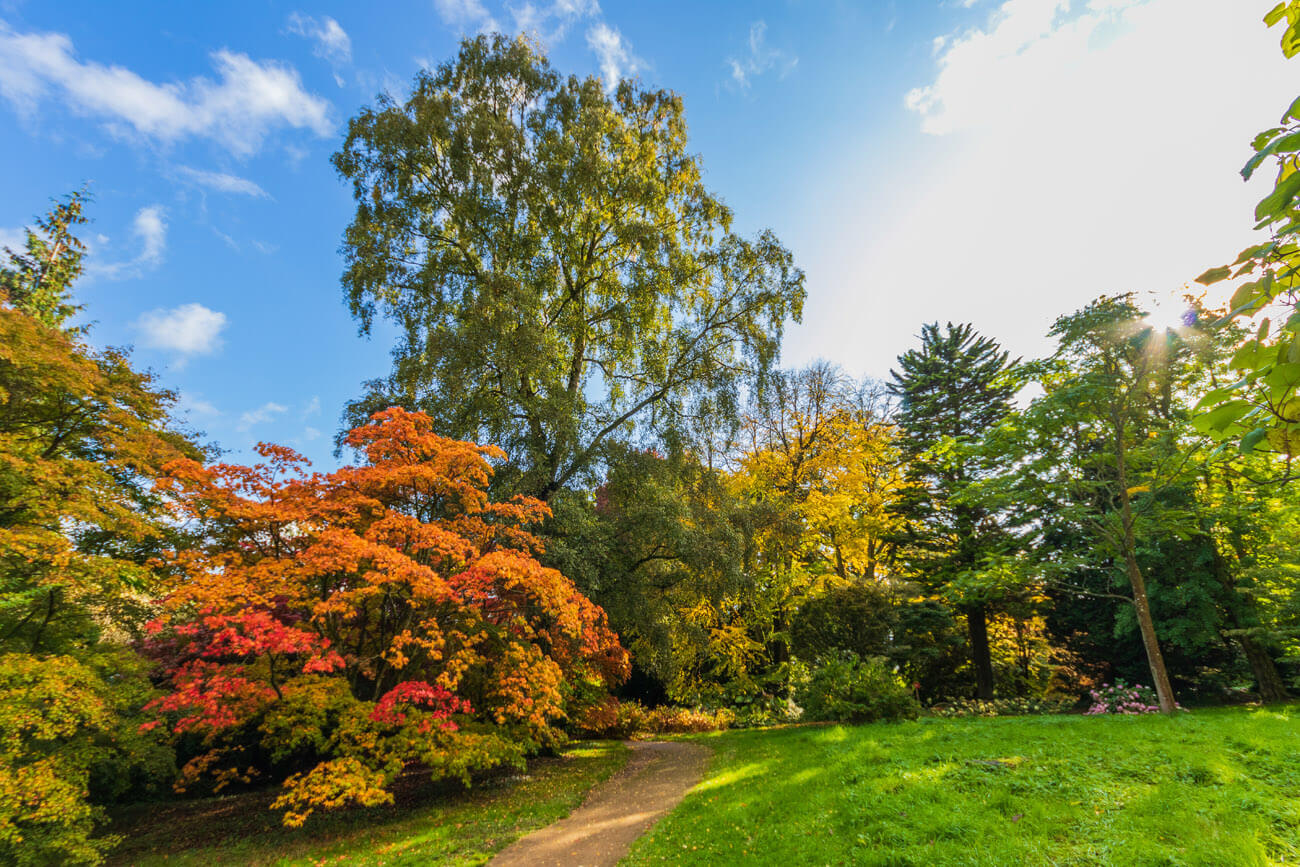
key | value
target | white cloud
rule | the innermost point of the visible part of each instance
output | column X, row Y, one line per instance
column 264, row 413
column 149, row 228
column 760, row 59
column 310, row 433
column 465, row 15
column 247, row 102
column 331, row 41
column 1065, row 155
column 312, row 408
column 551, row 21
column 615, row 54
column 190, row 329
column 222, row 182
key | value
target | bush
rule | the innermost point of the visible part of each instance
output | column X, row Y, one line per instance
column 1119, row 697
column 625, row 719
column 681, row 720
column 68, row 734
column 850, row 689
column 961, row 707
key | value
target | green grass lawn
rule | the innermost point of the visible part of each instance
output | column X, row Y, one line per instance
column 1213, row 787
column 425, row 826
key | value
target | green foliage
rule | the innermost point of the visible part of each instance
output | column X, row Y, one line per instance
column 846, row 688
column 856, row 617
column 37, row 280
column 558, row 270
column 69, row 733
column 954, row 388
column 658, row 546
column 1261, row 408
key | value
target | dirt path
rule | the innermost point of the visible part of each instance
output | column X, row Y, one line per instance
column 624, row 807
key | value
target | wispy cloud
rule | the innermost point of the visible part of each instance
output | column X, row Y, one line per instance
column 222, row 182
column 187, row 330
column 550, row 22
column 330, row 41
column 248, row 100
column 268, row 411
column 465, row 15
column 614, row 52
column 760, row 58
column 312, row 408
column 150, row 230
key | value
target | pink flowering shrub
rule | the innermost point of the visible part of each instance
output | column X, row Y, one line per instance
column 1120, row 697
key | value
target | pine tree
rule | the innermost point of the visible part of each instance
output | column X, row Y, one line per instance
column 957, row 385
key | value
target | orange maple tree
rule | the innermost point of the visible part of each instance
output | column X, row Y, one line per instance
column 338, row 628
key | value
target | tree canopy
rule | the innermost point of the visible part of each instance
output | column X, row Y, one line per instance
column 559, row 272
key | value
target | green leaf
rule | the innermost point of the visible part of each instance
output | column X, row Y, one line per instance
column 1214, row 275
column 1221, row 417
column 1292, row 113
column 1262, row 140
column 1252, row 439
column 1256, row 252
column 1287, row 144
column 1276, row 202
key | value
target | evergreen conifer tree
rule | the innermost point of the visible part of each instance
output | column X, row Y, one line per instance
column 957, row 385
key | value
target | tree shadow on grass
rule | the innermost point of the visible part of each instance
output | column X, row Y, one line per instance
column 243, row 828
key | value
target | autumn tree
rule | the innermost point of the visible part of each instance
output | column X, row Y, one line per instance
column 82, row 435
column 557, row 269
column 951, row 390
column 354, row 623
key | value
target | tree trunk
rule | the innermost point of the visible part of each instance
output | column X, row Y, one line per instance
column 1155, row 659
column 1128, row 542
column 1271, row 687
column 1239, row 611
column 980, row 657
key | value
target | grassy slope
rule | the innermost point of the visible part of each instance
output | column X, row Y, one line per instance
column 1216, row 787
column 423, row 828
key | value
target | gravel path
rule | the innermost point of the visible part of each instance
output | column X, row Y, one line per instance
column 624, row 807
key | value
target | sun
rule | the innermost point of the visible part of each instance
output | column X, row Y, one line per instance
column 1167, row 312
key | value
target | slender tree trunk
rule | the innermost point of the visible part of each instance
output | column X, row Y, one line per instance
column 1155, row 659
column 981, row 658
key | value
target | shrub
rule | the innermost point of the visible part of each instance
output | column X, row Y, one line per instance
column 680, row 720
column 625, row 719
column 963, row 707
column 1119, row 697
column 850, row 689
column 68, row 737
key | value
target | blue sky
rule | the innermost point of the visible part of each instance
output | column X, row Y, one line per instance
column 998, row 161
